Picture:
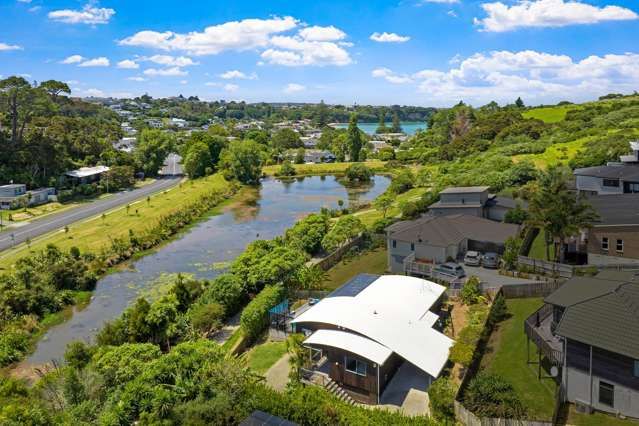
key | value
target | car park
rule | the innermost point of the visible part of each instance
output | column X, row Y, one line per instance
column 472, row 258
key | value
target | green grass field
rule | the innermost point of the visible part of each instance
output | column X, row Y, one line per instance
column 323, row 169
column 94, row 233
column 553, row 114
column 538, row 248
column 261, row 357
column 597, row 419
column 560, row 153
column 506, row 356
column 371, row 262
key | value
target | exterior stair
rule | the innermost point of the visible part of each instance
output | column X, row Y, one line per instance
column 337, row 390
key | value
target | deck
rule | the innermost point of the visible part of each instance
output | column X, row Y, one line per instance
column 538, row 328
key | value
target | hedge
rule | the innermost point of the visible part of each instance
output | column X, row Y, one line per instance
column 254, row 318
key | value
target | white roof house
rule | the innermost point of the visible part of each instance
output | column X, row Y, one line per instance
column 87, row 171
column 389, row 313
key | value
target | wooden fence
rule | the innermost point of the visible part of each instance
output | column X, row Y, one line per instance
column 467, row 418
column 536, row 289
column 546, row 267
column 333, row 258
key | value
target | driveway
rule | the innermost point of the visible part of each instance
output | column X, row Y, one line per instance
column 492, row 277
column 408, row 390
column 51, row 222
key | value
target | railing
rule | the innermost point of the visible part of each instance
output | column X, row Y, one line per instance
column 412, row 266
column 531, row 329
column 567, row 271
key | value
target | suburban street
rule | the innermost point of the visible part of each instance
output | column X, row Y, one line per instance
column 37, row 227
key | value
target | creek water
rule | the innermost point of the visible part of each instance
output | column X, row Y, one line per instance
column 204, row 251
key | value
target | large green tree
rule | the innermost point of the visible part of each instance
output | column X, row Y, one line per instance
column 197, row 160
column 242, row 160
column 152, row 149
column 354, row 138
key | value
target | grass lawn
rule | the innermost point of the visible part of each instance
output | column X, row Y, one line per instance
column 323, row 169
column 94, row 233
column 549, row 114
column 506, row 356
column 596, row 419
column 369, row 216
column 261, row 357
column 371, row 262
column 538, row 247
column 560, row 153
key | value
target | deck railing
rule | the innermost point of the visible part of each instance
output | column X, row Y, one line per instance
column 531, row 328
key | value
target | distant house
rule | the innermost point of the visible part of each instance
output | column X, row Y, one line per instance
column 364, row 332
column 318, row 156
column 475, row 201
column 125, row 144
column 86, row 174
column 614, row 178
column 13, row 196
column 434, row 239
column 309, row 142
column 177, row 122
column 379, row 145
column 614, row 236
column 589, row 330
column 154, row 123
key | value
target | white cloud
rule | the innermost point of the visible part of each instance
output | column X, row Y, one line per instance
column 296, row 51
column 5, row 46
column 136, row 78
column 391, row 76
column 94, row 92
column 235, row 35
column 317, row 33
column 128, row 64
column 389, row 38
column 34, row 9
column 451, row 13
column 96, row 62
column 441, row 1
column 180, row 61
column 547, row 13
column 184, row 81
column 90, row 14
column 231, row 87
column 24, row 1
column 235, row 74
column 294, row 88
column 166, row 72
column 537, row 77
column 212, row 84
column 73, row 59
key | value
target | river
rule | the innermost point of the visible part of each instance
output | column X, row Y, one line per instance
column 408, row 127
column 203, row 251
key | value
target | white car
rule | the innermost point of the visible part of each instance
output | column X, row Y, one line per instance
column 472, row 258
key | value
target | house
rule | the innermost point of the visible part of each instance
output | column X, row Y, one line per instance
column 614, row 237
column 434, row 239
column 475, row 201
column 364, row 331
column 614, row 178
column 318, row 156
column 379, row 145
column 85, row 175
column 13, row 196
column 177, row 122
column 589, row 329
column 125, row 144
column 309, row 142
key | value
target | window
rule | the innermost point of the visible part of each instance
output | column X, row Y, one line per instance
column 636, row 372
column 394, row 243
column 412, row 246
column 604, row 243
column 632, row 187
column 619, row 246
column 355, row 366
column 611, row 182
column 607, row 394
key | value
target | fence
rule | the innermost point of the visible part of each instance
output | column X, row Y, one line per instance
column 536, row 289
column 326, row 263
column 467, row 418
column 546, row 267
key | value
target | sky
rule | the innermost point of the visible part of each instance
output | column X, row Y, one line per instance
column 408, row 52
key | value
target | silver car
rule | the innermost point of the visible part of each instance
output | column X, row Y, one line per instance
column 491, row 260
column 472, row 258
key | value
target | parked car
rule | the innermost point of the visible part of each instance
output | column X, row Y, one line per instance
column 450, row 269
column 491, row 260
column 472, row 258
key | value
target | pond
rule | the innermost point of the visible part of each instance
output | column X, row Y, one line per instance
column 204, row 251
column 408, row 127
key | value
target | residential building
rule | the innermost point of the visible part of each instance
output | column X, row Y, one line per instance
column 379, row 145
column 177, row 122
column 435, row 239
column 85, row 175
column 475, row 201
column 614, row 178
column 589, row 330
column 318, row 156
column 614, row 237
column 363, row 332
column 13, row 196
column 309, row 142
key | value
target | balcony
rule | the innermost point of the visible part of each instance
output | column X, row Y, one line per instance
column 539, row 328
column 414, row 266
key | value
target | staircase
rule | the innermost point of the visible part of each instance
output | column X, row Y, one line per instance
column 332, row 386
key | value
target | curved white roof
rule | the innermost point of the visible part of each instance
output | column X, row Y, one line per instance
column 393, row 311
column 351, row 342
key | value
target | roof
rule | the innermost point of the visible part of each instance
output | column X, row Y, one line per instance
column 609, row 321
column 507, row 202
column 619, row 209
column 579, row 289
column 442, row 231
column 620, row 171
column 464, row 189
column 351, row 342
column 87, row 171
column 13, row 186
column 392, row 311
column 260, row 418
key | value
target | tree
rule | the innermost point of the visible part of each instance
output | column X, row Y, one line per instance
column 298, row 354
column 287, row 169
column 358, row 173
column 242, row 160
column 519, row 103
column 54, row 88
column 383, row 203
column 471, row 293
column 397, row 127
column 511, row 251
column 197, row 160
column 517, row 215
column 344, row 230
column 381, row 127
column 299, row 156
column 120, row 177
column 152, row 149
column 441, row 395
column 354, row 138
column 490, row 395
column 206, row 318
column 307, row 233
column 322, row 114
column 311, row 278
column 286, row 139
column 214, row 143
column 21, row 102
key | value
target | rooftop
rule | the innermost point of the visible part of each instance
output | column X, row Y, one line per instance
column 87, row 171
column 619, row 209
column 465, row 189
column 617, row 171
column 13, row 186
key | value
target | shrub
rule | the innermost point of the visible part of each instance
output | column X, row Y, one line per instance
column 308, row 233
column 402, row 182
column 254, row 318
column 226, row 290
column 206, row 318
column 358, row 173
column 441, row 394
column 287, row 169
column 345, row 229
column 517, row 215
column 490, row 395
column 470, row 293
column 380, row 225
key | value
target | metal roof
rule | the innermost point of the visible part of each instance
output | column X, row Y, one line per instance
column 619, row 209
column 464, row 189
column 260, row 418
column 621, row 171
column 87, row 171
column 351, row 342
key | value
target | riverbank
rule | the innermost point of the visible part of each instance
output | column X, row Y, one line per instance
column 94, row 234
column 335, row 169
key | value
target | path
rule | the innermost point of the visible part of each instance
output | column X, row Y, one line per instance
column 227, row 330
column 277, row 375
column 38, row 227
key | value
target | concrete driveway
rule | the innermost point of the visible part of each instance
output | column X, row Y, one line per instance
column 408, row 390
column 492, row 277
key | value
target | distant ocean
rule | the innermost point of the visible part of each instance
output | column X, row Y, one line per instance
column 409, row 127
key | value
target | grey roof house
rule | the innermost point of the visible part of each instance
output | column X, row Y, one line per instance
column 614, row 178
column 434, row 239
column 475, row 201
column 589, row 329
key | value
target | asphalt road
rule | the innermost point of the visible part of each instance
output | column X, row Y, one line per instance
column 38, row 227
column 172, row 166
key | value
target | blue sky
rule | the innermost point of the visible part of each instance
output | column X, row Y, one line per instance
column 419, row 52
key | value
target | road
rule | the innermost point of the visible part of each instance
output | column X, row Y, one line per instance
column 172, row 166
column 38, row 227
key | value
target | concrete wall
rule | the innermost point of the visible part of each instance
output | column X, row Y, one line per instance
column 595, row 184
column 578, row 389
